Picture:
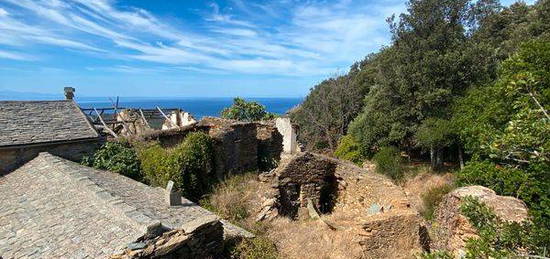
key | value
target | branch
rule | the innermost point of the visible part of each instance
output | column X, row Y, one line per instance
column 540, row 106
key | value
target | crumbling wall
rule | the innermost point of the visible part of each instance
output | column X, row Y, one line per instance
column 132, row 123
column 303, row 178
column 202, row 238
column 236, row 146
column 178, row 118
column 270, row 145
column 287, row 130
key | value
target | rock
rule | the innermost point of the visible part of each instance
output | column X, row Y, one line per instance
column 137, row 245
column 453, row 229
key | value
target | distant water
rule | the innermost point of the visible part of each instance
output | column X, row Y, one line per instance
column 198, row 107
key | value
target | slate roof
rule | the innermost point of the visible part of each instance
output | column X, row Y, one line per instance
column 52, row 208
column 34, row 122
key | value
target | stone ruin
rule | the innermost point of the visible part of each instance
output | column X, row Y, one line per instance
column 131, row 123
column 177, row 119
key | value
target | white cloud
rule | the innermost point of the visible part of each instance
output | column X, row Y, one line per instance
column 3, row 12
column 309, row 38
column 15, row 56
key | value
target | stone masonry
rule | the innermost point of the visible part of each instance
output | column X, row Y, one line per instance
column 53, row 208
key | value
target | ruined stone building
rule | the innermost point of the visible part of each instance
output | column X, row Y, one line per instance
column 54, row 208
column 30, row 127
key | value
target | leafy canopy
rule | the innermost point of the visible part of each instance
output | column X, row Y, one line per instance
column 246, row 111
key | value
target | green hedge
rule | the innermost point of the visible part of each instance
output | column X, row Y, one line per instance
column 189, row 165
column 118, row 157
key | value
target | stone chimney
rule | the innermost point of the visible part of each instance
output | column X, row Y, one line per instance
column 173, row 196
column 69, row 93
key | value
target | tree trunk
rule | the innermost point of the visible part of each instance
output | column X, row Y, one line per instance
column 460, row 157
column 439, row 159
column 432, row 157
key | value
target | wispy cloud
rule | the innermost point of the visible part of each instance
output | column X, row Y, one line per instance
column 15, row 56
column 285, row 38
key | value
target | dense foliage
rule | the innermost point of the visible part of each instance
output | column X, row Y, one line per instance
column 246, row 111
column 349, row 149
column 388, row 162
column 461, row 80
column 118, row 157
column 501, row 239
column 324, row 115
column 189, row 165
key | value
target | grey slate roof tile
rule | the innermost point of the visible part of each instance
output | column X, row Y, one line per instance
column 33, row 122
column 52, row 206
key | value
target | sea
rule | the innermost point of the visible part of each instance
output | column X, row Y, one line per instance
column 199, row 107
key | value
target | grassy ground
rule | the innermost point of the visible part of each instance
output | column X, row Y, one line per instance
column 232, row 200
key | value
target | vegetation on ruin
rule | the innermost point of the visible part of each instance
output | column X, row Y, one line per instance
column 243, row 110
column 190, row 165
column 432, row 198
column 118, row 157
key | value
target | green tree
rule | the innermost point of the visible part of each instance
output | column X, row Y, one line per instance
column 506, row 124
column 431, row 61
column 324, row 115
column 246, row 111
column 434, row 134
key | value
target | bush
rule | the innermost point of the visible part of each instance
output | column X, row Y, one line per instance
column 388, row 162
column 501, row 239
column 189, row 165
column 118, row 157
column 259, row 247
column 349, row 149
column 432, row 198
column 504, row 181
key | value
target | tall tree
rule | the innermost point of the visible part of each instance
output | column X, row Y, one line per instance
column 431, row 61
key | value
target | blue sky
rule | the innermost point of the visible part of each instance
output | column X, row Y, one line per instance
column 186, row 48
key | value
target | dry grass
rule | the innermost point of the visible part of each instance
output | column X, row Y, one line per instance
column 423, row 182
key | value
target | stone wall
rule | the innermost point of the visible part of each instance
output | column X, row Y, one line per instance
column 305, row 177
column 202, row 238
column 236, row 146
column 239, row 146
column 13, row 158
column 270, row 145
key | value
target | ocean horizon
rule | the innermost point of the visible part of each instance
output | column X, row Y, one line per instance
column 199, row 107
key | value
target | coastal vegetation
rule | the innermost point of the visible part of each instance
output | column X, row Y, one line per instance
column 463, row 86
column 243, row 110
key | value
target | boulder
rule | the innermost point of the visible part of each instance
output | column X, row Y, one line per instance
column 452, row 229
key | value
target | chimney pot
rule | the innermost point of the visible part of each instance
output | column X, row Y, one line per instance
column 69, row 93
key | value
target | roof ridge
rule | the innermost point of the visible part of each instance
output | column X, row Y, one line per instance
column 144, row 223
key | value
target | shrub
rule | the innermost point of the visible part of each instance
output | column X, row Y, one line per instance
column 118, row 157
column 388, row 162
column 501, row 239
column 432, row 198
column 259, row 247
column 349, row 149
column 189, row 165
column 503, row 180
